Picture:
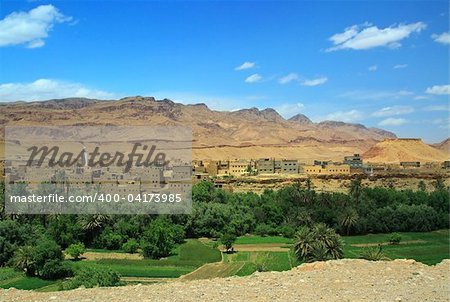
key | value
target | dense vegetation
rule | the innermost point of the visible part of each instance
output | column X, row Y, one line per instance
column 34, row 243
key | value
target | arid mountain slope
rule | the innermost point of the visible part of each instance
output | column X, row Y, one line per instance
column 443, row 146
column 247, row 133
column 398, row 150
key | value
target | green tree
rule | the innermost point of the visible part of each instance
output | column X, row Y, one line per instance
column 158, row 239
column 76, row 250
column 131, row 246
column 228, row 240
column 12, row 235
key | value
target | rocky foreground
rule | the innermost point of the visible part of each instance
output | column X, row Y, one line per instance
column 340, row 280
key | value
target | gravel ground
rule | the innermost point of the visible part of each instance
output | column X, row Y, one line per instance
column 339, row 280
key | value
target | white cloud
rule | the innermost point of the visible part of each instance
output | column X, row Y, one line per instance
column 366, row 36
column 437, row 108
column 400, row 66
column 253, row 78
column 30, row 28
column 421, row 97
column 393, row 122
column 394, row 110
column 45, row 89
column 288, row 110
column 439, row 90
column 443, row 38
column 345, row 116
column 373, row 68
column 376, row 95
column 288, row 78
column 315, row 82
column 245, row 65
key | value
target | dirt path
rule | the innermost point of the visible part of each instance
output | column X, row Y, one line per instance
column 261, row 247
column 214, row 270
column 341, row 280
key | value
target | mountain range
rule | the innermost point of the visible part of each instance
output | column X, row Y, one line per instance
column 246, row 133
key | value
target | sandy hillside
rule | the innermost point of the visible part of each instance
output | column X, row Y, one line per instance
column 340, row 280
column 398, row 150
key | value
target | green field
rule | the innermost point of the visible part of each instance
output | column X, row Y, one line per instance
column 185, row 258
column 200, row 260
column 429, row 248
column 10, row 278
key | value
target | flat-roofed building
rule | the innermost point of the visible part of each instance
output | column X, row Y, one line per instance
column 239, row 167
column 265, row 166
column 289, row 166
column 327, row 169
column 354, row 161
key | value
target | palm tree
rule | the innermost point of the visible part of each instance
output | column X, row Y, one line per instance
column 317, row 243
column 349, row 219
column 23, row 260
column 356, row 189
column 93, row 222
column 303, row 242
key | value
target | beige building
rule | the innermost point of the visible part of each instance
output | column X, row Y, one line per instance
column 327, row 170
column 239, row 167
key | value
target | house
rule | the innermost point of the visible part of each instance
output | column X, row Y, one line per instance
column 354, row 161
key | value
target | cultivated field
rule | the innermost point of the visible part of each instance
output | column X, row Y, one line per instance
column 199, row 259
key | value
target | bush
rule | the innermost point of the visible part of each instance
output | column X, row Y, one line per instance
column 131, row 246
column 109, row 240
column 265, row 230
column 395, row 238
column 287, row 231
column 75, row 250
column 55, row 269
column 373, row 254
column 91, row 277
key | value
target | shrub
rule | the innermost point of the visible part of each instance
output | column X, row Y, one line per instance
column 75, row 250
column 265, row 230
column 131, row 246
column 55, row 269
column 395, row 238
column 373, row 254
column 287, row 231
column 91, row 277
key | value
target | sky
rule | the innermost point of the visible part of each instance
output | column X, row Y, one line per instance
column 380, row 63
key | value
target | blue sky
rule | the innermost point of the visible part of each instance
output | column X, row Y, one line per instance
column 380, row 63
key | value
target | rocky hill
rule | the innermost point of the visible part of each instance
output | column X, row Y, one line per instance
column 247, row 133
column 443, row 146
column 400, row 150
column 337, row 280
